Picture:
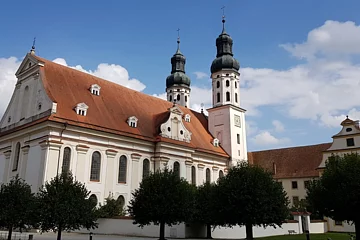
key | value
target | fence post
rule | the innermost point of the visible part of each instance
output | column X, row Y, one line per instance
column 90, row 236
column 31, row 237
column 307, row 235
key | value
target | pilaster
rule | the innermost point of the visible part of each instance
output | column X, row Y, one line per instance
column 23, row 166
column 135, row 171
column 215, row 173
column 80, row 170
column 188, row 165
column 7, row 153
column 201, row 176
column 110, row 177
column 50, row 156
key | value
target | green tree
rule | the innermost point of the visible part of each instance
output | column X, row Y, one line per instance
column 336, row 194
column 65, row 205
column 248, row 195
column 205, row 210
column 17, row 205
column 111, row 208
column 163, row 199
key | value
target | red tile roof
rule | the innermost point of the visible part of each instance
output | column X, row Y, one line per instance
column 291, row 162
column 110, row 111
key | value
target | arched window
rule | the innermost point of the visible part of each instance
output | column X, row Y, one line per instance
column 177, row 169
column 185, row 98
column 178, row 97
column 221, row 174
column 208, row 175
column 121, row 200
column 95, row 167
column 227, row 96
column 170, row 98
column 66, row 160
column 236, row 97
column 227, row 83
column 193, row 175
column 146, row 168
column 218, row 97
column 122, row 169
column 217, row 84
column 17, row 157
column 94, row 199
column 235, row 84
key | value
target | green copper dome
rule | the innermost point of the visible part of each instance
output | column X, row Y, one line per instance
column 178, row 76
column 224, row 57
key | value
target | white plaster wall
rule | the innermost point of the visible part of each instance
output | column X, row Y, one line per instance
column 127, row 228
column 33, row 174
column 2, row 166
column 240, row 232
column 346, row 227
column 234, row 130
column 299, row 192
column 318, row 227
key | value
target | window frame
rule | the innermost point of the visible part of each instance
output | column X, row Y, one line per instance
column 92, row 168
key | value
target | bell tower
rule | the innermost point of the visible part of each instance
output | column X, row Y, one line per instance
column 226, row 117
column 178, row 83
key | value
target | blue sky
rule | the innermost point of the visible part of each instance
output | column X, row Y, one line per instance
column 140, row 36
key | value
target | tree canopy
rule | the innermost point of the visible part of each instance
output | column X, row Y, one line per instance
column 336, row 194
column 65, row 205
column 111, row 208
column 248, row 195
column 205, row 209
column 17, row 205
column 162, row 198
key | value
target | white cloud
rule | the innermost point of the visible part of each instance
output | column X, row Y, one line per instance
column 161, row 96
column 111, row 72
column 201, row 75
column 331, row 39
column 265, row 138
column 278, row 126
column 8, row 67
column 251, row 128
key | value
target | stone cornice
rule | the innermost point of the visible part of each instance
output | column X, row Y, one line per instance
column 53, row 145
column 25, row 149
column 135, row 156
column 82, row 149
column 215, row 168
column 188, row 163
column 111, row 152
column 7, row 153
column 201, row 166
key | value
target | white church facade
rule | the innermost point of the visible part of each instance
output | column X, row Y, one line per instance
column 109, row 136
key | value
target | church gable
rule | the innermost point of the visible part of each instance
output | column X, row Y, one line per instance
column 174, row 127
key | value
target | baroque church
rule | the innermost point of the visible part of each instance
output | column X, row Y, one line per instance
column 111, row 137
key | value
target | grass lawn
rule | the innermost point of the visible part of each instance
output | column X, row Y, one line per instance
column 333, row 236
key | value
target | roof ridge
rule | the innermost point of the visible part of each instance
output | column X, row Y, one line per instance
column 284, row 148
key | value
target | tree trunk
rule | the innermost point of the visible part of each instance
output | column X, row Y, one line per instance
column 59, row 233
column 10, row 232
column 249, row 231
column 208, row 231
column 162, row 231
column 357, row 229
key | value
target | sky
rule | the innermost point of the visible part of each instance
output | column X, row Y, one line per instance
column 299, row 60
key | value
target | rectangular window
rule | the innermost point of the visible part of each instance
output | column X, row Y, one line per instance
column 338, row 223
column 295, row 200
column 306, row 184
column 238, row 138
column 350, row 142
column 294, row 184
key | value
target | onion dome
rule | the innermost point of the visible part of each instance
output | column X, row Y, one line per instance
column 178, row 76
column 224, row 57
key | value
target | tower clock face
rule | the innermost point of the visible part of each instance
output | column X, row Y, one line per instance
column 237, row 121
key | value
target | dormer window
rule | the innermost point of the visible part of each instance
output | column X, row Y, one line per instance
column 9, row 119
column 95, row 89
column 216, row 142
column 348, row 129
column 187, row 118
column 132, row 121
column 81, row 109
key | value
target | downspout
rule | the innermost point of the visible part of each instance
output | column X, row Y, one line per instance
column 58, row 161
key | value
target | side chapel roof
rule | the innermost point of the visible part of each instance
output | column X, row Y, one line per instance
column 294, row 162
